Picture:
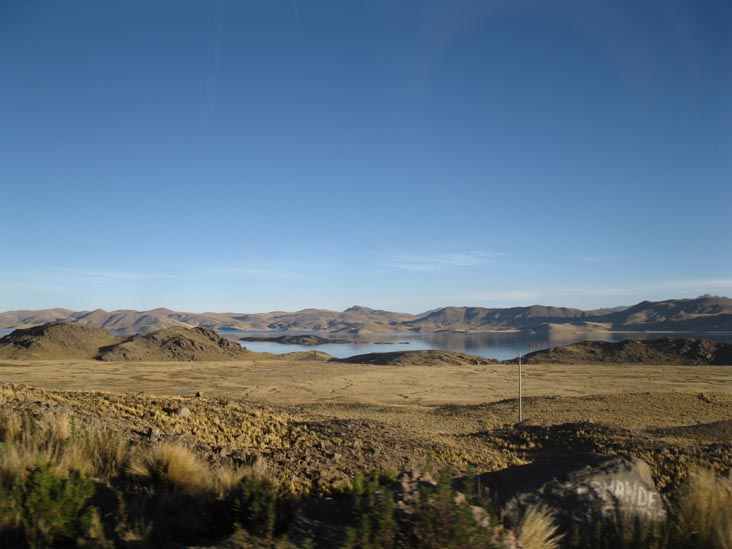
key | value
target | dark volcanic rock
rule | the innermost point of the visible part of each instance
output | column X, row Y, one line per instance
column 578, row 488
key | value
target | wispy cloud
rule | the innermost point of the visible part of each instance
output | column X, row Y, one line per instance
column 37, row 286
column 440, row 262
column 600, row 259
column 65, row 277
column 93, row 276
column 691, row 286
column 258, row 273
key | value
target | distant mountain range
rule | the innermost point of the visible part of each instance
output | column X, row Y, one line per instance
column 703, row 314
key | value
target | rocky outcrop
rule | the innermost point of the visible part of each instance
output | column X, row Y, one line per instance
column 577, row 488
column 178, row 344
column 55, row 341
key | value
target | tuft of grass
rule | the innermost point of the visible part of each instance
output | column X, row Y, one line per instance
column 90, row 450
column 226, row 479
column 172, row 465
column 104, row 450
column 10, row 427
column 57, row 426
column 704, row 511
column 537, row 530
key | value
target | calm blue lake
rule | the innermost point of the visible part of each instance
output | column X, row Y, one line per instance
column 500, row 346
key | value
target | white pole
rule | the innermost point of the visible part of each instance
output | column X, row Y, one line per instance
column 521, row 410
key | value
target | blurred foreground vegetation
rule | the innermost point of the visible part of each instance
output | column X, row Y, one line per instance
column 63, row 485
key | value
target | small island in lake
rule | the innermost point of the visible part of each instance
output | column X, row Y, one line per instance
column 310, row 340
column 302, row 339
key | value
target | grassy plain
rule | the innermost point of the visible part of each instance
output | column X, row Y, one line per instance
column 285, row 382
column 435, row 403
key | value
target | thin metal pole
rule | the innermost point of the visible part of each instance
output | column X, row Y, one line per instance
column 521, row 409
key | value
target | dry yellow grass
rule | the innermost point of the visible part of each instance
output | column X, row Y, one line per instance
column 537, row 530
column 12, row 426
column 280, row 381
column 314, row 420
column 705, row 509
column 172, row 465
column 92, row 449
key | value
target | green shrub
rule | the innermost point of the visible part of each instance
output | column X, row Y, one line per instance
column 373, row 515
column 255, row 502
column 440, row 521
column 46, row 507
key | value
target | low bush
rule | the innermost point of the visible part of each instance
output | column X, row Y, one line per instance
column 66, row 481
column 254, row 502
column 373, row 514
column 440, row 520
column 43, row 507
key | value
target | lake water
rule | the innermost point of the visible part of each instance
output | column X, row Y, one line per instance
column 500, row 346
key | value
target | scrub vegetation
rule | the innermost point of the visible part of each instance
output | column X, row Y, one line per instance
column 78, row 468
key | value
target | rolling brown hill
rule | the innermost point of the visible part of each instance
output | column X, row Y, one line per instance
column 705, row 313
column 477, row 318
column 12, row 320
column 666, row 350
column 129, row 322
column 55, row 341
column 176, row 344
column 353, row 320
column 74, row 341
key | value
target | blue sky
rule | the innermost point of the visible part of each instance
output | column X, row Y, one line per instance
column 242, row 155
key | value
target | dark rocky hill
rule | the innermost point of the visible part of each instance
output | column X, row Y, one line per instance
column 55, row 341
column 74, row 341
column 176, row 344
column 666, row 350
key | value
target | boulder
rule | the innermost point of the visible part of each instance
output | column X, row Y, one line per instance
column 578, row 488
column 183, row 411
